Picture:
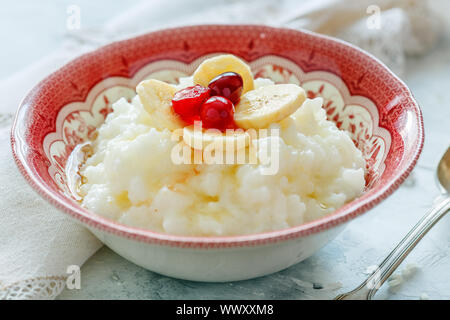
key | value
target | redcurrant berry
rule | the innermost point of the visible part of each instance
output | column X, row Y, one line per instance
column 228, row 85
column 217, row 112
column 187, row 101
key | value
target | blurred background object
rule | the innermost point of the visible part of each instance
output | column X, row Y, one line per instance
column 59, row 31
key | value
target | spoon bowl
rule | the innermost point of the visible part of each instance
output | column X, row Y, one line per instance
column 443, row 172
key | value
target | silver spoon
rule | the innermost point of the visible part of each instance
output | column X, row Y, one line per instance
column 367, row 289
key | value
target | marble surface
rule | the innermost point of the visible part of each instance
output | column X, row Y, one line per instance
column 338, row 267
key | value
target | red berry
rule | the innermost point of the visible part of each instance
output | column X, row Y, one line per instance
column 187, row 101
column 217, row 112
column 228, row 85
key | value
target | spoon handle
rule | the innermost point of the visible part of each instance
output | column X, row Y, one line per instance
column 367, row 289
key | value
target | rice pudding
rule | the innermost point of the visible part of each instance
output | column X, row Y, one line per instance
column 132, row 178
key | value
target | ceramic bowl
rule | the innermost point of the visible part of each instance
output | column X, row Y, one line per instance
column 360, row 95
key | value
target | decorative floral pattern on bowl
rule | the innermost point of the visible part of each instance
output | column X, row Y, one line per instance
column 360, row 95
column 355, row 114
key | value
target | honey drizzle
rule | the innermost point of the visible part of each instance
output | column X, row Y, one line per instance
column 76, row 159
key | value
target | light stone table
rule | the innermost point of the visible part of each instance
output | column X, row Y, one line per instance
column 339, row 266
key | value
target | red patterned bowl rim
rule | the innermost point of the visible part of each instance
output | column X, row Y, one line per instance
column 342, row 215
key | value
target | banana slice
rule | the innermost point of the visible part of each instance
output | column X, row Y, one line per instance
column 156, row 97
column 198, row 139
column 263, row 106
column 212, row 67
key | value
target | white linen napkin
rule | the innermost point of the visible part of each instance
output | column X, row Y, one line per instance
column 37, row 242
